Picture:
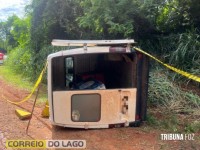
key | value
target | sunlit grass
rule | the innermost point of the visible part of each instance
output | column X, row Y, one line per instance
column 21, row 82
column 15, row 79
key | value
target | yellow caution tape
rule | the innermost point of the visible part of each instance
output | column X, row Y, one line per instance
column 183, row 73
column 34, row 88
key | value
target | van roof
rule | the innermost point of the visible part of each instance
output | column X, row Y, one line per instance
column 78, row 51
column 92, row 46
column 57, row 42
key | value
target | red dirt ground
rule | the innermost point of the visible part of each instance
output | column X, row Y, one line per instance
column 129, row 138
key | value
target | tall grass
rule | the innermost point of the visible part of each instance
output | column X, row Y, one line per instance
column 166, row 93
column 187, row 54
column 167, row 102
column 180, row 50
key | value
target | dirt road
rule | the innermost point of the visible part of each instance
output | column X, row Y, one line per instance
column 140, row 138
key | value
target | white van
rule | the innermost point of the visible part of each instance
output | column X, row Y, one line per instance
column 101, row 84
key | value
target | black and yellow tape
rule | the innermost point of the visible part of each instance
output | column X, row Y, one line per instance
column 181, row 72
column 37, row 83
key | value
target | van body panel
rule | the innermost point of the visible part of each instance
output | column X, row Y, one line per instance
column 112, row 103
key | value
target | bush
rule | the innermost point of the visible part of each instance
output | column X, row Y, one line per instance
column 179, row 50
column 27, row 63
column 19, row 59
column 41, row 57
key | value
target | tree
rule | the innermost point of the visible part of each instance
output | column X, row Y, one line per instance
column 54, row 19
column 20, row 30
column 5, row 31
column 120, row 19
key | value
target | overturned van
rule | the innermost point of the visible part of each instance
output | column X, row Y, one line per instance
column 101, row 84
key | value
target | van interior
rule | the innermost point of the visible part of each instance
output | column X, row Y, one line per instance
column 113, row 70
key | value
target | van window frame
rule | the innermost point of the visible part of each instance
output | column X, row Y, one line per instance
column 73, row 74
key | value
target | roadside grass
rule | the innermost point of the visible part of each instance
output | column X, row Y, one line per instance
column 172, row 122
column 15, row 79
column 21, row 82
column 170, row 107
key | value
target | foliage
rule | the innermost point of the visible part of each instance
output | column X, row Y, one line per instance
column 103, row 20
column 174, row 16
column 53, row 19
column 164, row 92
column 20, row 31
column 192, row 127
column 117, row 19
column 168, row 29
column 171, row 122
column 20, row 61
column 41, row 58
column 16, row 79
column 187, row 52
column 5, row 31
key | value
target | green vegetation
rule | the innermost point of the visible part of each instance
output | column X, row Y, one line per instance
column 14, row 78
column 171, row 122
column 20, row 81
column 168, row 29
column 181, row 108
column 166, row 93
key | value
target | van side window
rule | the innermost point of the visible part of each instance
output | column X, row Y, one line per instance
column 69, row 67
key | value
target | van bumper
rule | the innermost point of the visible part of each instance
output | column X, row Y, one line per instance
column 103, row 126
